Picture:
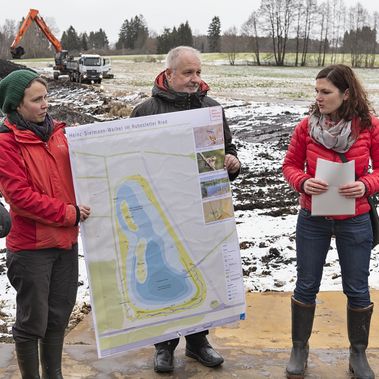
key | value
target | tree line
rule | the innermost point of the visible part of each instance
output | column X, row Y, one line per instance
column 276, row 30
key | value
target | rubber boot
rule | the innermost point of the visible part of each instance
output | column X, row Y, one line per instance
column 358, row 327
column 51, row 347
column 302, row 323
column 27, row 358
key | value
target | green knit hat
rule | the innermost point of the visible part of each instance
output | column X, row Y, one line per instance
column 12, row 89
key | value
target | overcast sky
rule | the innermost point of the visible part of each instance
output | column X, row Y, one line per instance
column 109, row 15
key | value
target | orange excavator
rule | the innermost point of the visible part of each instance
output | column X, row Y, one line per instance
column 87, row 68
column 18, row 52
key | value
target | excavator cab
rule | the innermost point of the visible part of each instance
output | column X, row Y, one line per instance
column 60, row 63
column 61, row 58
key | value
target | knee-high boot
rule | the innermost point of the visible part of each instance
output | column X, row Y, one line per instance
column 51, row 347
column 358, row 327
column 27, row 359
column 302, row 323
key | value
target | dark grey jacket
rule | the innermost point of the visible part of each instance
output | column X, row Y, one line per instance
column 165, row 100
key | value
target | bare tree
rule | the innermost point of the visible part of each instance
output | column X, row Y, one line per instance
column 338, row 10
column 229, row 44
column 35, row 43
column 299, row 15
column 309, row 14
column 375, row 24
column 322, row 22
column 250, row 29
column 358, row 19
column 7, row 34
column 343, row 28
column 277, row 16
column 324, row 19
column 50, row 21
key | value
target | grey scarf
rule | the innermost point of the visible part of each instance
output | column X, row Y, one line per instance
column 334, row 136
column 42, row 130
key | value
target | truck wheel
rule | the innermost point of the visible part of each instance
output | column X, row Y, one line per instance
column 99, row 81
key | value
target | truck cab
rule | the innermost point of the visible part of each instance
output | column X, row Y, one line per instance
column 86, row 68
column 107, row 67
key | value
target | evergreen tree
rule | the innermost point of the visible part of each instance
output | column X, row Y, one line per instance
column 84, row 41
column 98, row 40
column 214, row 34
column 64, row 40
column 133, row 33
column 174, row 38
column 361, row 44
column 178, row 36
column 70, row 40
column 185, row 35
column 164, row 41
column 121, row 43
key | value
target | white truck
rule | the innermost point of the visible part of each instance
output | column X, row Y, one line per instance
column 88, row 68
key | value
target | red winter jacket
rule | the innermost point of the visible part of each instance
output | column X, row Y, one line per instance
column 36, row 181
column 303, row 151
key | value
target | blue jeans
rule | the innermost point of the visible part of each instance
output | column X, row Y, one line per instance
column 353, row 241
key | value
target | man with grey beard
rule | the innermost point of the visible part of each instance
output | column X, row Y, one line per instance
column 178, row 88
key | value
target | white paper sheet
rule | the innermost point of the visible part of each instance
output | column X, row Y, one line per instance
column 331, row 203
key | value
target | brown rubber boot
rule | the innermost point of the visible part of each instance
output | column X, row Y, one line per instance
column 358, row 327
column 302, row 323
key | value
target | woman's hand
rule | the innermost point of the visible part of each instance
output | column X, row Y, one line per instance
column 352, row 190
column 84, row 212
column 315, row 186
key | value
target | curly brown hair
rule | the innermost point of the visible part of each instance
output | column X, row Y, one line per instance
column 357, row 104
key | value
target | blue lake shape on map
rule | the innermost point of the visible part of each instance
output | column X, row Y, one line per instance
column 164, row 284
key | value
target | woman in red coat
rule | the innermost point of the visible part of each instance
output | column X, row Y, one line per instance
column 42, row 248
column 340, row 122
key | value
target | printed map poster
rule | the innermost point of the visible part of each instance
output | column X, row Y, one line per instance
column 161, row 246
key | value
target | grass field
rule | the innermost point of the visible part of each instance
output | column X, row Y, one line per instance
column 241, row 82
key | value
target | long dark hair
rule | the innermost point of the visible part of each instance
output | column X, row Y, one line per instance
column 357, row 104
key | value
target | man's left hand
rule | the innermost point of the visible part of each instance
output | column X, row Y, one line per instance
column 231, row 163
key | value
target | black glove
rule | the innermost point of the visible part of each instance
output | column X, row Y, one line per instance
column 5, row 221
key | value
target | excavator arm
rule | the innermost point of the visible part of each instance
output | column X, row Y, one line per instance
column 33, row 15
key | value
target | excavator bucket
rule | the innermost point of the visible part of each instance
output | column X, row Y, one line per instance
column 17, row 52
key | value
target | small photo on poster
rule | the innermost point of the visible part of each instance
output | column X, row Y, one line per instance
column 218, row 210
column 209, row 161
column 212, row 187
column 208, row 136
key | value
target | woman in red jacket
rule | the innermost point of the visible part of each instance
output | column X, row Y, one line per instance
column 340, row 122
column 42, row 249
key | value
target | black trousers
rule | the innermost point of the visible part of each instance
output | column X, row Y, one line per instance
column 46, row 282
column 192, row 339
